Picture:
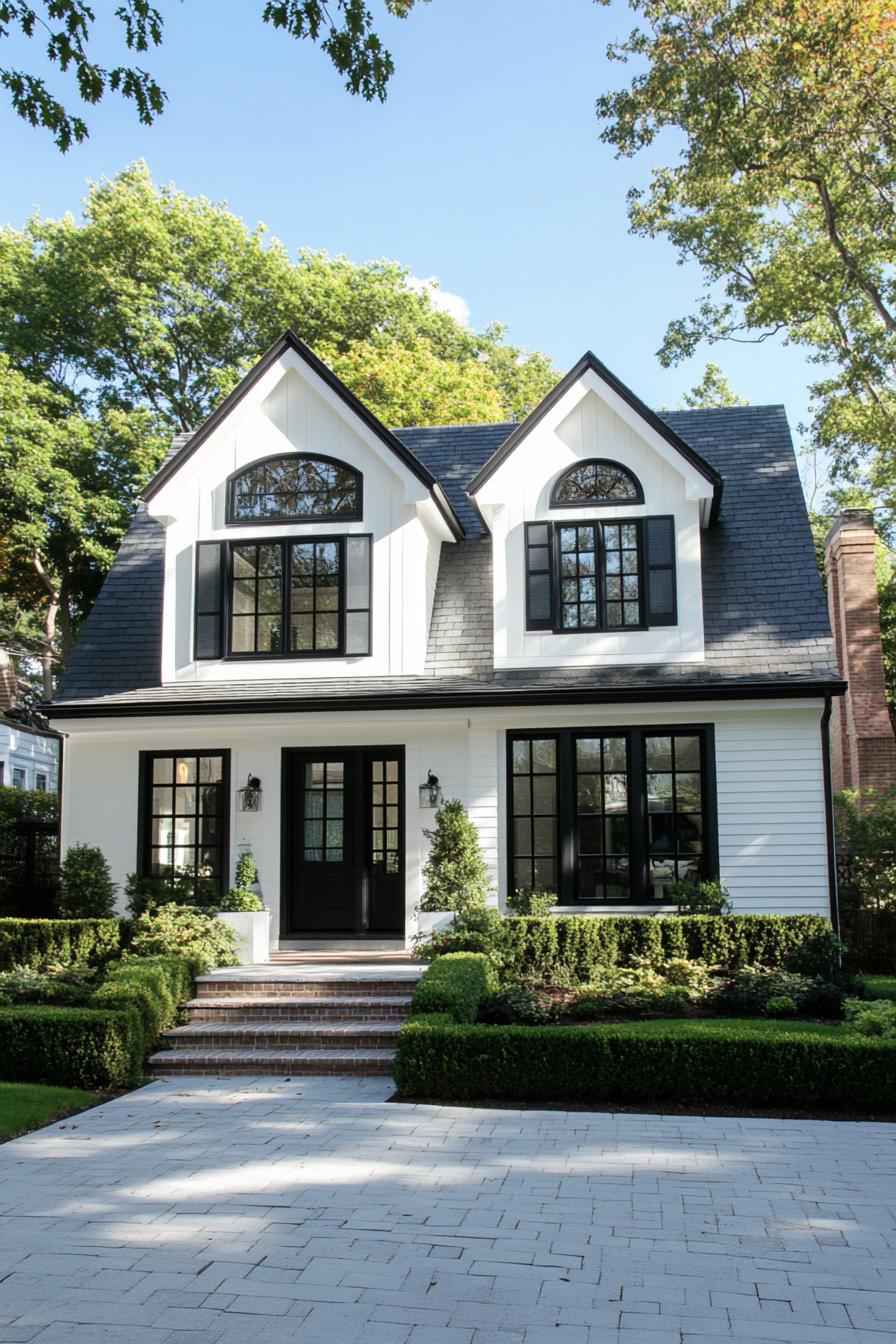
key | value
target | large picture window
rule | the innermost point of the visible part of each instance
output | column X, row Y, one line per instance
column 605, row 817
column 286, row 598
column 295, row 486
column 600, row 574
column 185, row 799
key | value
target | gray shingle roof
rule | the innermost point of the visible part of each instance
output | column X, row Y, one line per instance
column 765, row 616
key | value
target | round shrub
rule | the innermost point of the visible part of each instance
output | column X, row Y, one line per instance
column 514, row 1005
column 781, row 1006
column 86, row 889
column 241, row 900
column 185, row 931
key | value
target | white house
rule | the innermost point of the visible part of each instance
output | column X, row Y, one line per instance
column 603, row 630
column 29, row 754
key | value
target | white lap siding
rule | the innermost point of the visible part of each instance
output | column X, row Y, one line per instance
column 771, row 817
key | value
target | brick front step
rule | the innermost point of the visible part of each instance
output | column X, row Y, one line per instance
column 285, row 1063
column 334, row 1007
column 350, row 1035
column 207, row 986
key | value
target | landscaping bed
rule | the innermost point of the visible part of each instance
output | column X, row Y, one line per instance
column 618, row 1020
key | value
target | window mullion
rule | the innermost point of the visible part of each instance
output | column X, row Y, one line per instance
column 566, row 817
column 637, row 795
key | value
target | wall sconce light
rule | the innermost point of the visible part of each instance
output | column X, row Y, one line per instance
column 250, row 795
column 430, row 793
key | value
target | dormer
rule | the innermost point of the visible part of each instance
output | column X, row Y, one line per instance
column 595, row 508
column 302, row 538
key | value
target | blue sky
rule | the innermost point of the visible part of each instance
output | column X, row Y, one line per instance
column 483, row 168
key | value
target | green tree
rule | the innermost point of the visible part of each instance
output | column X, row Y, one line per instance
column 712, row 391
column 121, row 329
column 454, row 875
column 782, row 189
column 86, row 889
column 68, row 482
column 70, row 30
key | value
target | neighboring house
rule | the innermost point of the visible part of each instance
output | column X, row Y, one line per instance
column 29, row 752
column 602, row 630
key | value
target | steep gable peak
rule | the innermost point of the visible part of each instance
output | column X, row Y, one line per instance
column 590, row 375
column 290, row 352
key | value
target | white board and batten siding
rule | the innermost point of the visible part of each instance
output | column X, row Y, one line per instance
column 772, row 837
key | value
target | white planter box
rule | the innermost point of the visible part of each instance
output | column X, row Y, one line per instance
column 434, row 921
column 253, row 932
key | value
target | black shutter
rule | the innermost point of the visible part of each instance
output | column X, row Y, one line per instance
column 357, row 596
column 662, row 606
column 209, row 630
column 539, row 577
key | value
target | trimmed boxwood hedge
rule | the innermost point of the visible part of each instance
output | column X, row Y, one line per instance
column 739, row 1064
column 105, row 1044
column 455, row 985
column 73, row 1047
column 38, row 943
column 548, row 948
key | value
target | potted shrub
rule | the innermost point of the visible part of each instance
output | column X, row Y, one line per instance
column 455, row 877
column 242, row 910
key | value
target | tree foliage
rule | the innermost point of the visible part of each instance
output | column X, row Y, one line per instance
column 712, row 391
column 70, row 30
column 131, row 324
column 782, row 190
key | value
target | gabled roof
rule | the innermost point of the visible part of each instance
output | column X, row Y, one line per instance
column 765, row 616
column 590, row 362
column 290, row 341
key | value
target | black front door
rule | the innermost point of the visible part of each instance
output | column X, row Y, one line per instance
column 343, row 843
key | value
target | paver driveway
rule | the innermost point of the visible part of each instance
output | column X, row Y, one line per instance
column 312, row 1210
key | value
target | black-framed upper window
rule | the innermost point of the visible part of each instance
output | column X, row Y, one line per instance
column 184, row 818
column 294, row 486
column 596, row 481
column 608, row 816
column 600, row 574
column 288, row 597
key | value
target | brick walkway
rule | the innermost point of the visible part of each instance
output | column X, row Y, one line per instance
column 308, row 1210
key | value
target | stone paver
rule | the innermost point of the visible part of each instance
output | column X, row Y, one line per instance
column 312, row 1210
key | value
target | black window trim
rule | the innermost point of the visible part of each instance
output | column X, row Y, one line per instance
column 638, row 815
column 337, row 518
column 286, row 543
column 144, row 809
column 556, row 503
column 602, row 627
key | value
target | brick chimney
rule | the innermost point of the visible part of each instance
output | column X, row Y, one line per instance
column 863, row 746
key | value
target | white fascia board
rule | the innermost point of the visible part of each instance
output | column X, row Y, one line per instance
column 161, row 507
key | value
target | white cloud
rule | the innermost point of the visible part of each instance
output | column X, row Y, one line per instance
column 442, row 299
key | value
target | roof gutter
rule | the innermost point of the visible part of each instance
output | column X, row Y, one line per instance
column 833, row 889
column 462, row 698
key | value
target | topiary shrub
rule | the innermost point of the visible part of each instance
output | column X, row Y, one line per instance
column 176, row 930
column 455, row 876
column 86, row 889
column 241, row 897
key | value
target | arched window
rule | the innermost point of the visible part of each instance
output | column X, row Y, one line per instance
column 294, row 487
column 596, row 481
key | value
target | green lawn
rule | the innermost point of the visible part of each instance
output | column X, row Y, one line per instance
column 25, row 1106
column 880, row 986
